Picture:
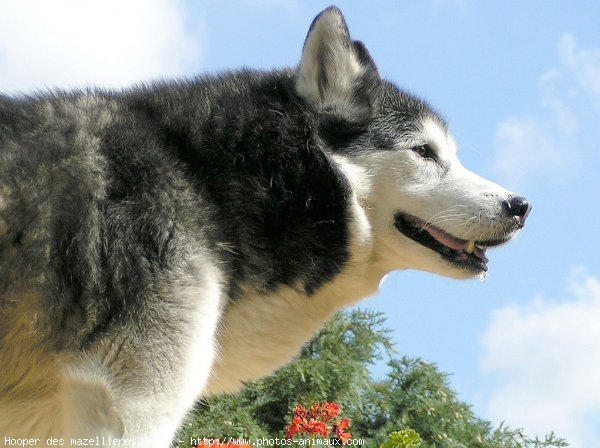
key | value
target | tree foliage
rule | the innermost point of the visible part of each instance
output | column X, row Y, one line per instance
column 334, row 366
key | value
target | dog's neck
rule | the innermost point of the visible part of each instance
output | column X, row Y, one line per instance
column 261, row 332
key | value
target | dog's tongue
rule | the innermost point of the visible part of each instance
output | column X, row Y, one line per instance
column 454, row 243
column 445, row 239
column 480, row 253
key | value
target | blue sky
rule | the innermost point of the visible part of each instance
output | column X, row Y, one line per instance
column 519, row 82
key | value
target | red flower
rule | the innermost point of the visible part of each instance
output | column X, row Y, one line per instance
column 320, row 428
column 300, row 411
column 294, row 427
column 315, row 409
column 314, row 421
column 331, row 409
column 339, row 431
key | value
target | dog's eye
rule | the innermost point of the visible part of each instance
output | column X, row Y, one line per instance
column 424, row 151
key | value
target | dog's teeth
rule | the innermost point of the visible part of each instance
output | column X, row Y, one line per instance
column 471, row 246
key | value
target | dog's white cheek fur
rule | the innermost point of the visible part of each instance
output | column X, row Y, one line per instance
column 379, row 180
column 391, row 181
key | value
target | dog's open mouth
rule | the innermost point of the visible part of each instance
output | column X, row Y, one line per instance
column 466, row 254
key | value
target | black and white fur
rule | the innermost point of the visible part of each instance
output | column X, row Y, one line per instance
column 179, row 239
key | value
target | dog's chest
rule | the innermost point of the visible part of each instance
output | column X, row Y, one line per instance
column 261, row 332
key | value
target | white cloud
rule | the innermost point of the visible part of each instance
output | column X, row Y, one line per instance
column 545, row 361
column 546, row 144
column 583, row 64
column 111, row 43
column 522, row 145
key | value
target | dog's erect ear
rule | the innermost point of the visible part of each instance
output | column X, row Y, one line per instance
column 333, row 68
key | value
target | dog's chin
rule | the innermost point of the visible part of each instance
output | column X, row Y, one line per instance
column 450, row 270
column 426, row 260
column 444, row 254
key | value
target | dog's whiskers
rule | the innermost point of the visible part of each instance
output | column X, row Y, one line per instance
column 448, row 213
column 447, row 218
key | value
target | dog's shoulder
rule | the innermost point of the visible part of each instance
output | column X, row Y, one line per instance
column 230, row 162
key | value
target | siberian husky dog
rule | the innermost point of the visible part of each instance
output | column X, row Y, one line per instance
column 178, row 239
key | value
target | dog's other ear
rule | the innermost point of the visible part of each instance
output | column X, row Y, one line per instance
column 334, row 70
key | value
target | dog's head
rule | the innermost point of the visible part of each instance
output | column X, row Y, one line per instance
column 426, row 210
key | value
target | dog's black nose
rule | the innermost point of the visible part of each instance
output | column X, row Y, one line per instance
column 518, row 207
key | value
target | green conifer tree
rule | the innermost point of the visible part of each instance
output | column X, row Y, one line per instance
column 334, row 366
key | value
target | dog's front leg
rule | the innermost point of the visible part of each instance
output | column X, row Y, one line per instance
column 157, row 361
